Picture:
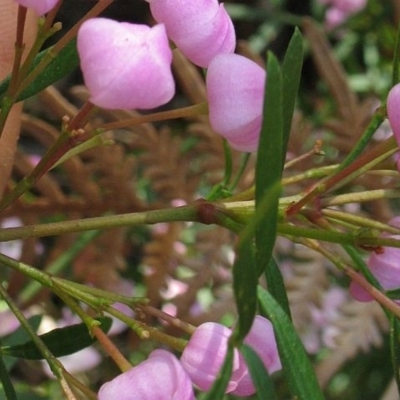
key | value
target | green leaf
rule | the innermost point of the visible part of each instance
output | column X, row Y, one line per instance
column 396, row 60
column 245, row 287
column 299, row 371
column 19, row 336
column 217, row 391
column 395, row 348
column 6, row 382
column 64, row 63
column 261, row 379
column 60, row 341
column 269, row 166
column 291, row 73
column 276, row 285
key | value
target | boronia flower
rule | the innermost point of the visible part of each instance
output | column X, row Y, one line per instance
column 393, row 110
column 204, row 355
column 235, row 93
column 40, row 7
column 384, row 265
column 261, row 339
column 206, row 350
column 125, row 66
column 201, row 29
column 160, row 377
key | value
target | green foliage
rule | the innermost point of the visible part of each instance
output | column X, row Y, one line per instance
column 65, row 62
column 296, row 364
column 60, row 341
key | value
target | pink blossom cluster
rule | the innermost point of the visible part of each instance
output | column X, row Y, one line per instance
column 128, row 66
column 163, row 376
column 339, row 11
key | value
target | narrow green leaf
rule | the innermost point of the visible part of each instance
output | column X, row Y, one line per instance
column 395, row 348
column 19, row 336
column 276, row 285
column 396, row 60
column 6, row 382
column 299, row 371
column 65, row 62
column 269, row 165
column 60, row 341
column 217, row 391
column 261, row 379
column 245, row 287
column 291, row 73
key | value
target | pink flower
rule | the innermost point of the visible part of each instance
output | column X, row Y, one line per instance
column 160, row 377
column 384, row 266
column 350, row 6
column 206, row 350
column 201, row 29
column 125, row 65
column 261, row 339
column 235, row 92
column 39, row 6
column 393, row 110
column 205, row 353
column 340, row 10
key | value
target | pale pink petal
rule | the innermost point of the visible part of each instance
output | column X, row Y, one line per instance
column 235, row 93
column 160, row 377
column 393, row 110
column 261, row 339
column 201, row 29
column 204, row 355
column 39, row 6
column 125, row 66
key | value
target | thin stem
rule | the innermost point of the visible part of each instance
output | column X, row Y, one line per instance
column 55, row 366
column 356, row 277
column 92, row 325
column 190, row 111
column 178, row 323
column 360, row 197
column 148, row 332
column 96, row 10
column 59, row 264
column 186, row 213
column 358, row 221
column 327, row 183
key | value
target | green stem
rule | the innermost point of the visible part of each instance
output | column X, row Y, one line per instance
column 376, row 121
column 360, row 222
column 96, row 10
column 59, row 264
column 327, row 183
column 186, row 213
column 54, row 364
column 352, row 238
column 148, row 332
column 42, row 277
column 360, row 197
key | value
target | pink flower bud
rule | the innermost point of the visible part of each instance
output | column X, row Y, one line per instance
column 393, row 110
column 204, row 356
column 235, row 92
column 201, row 29
column 160, row 377
column 384, row 266
column 39, row 6
column 261, row 339
column 125, row 65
